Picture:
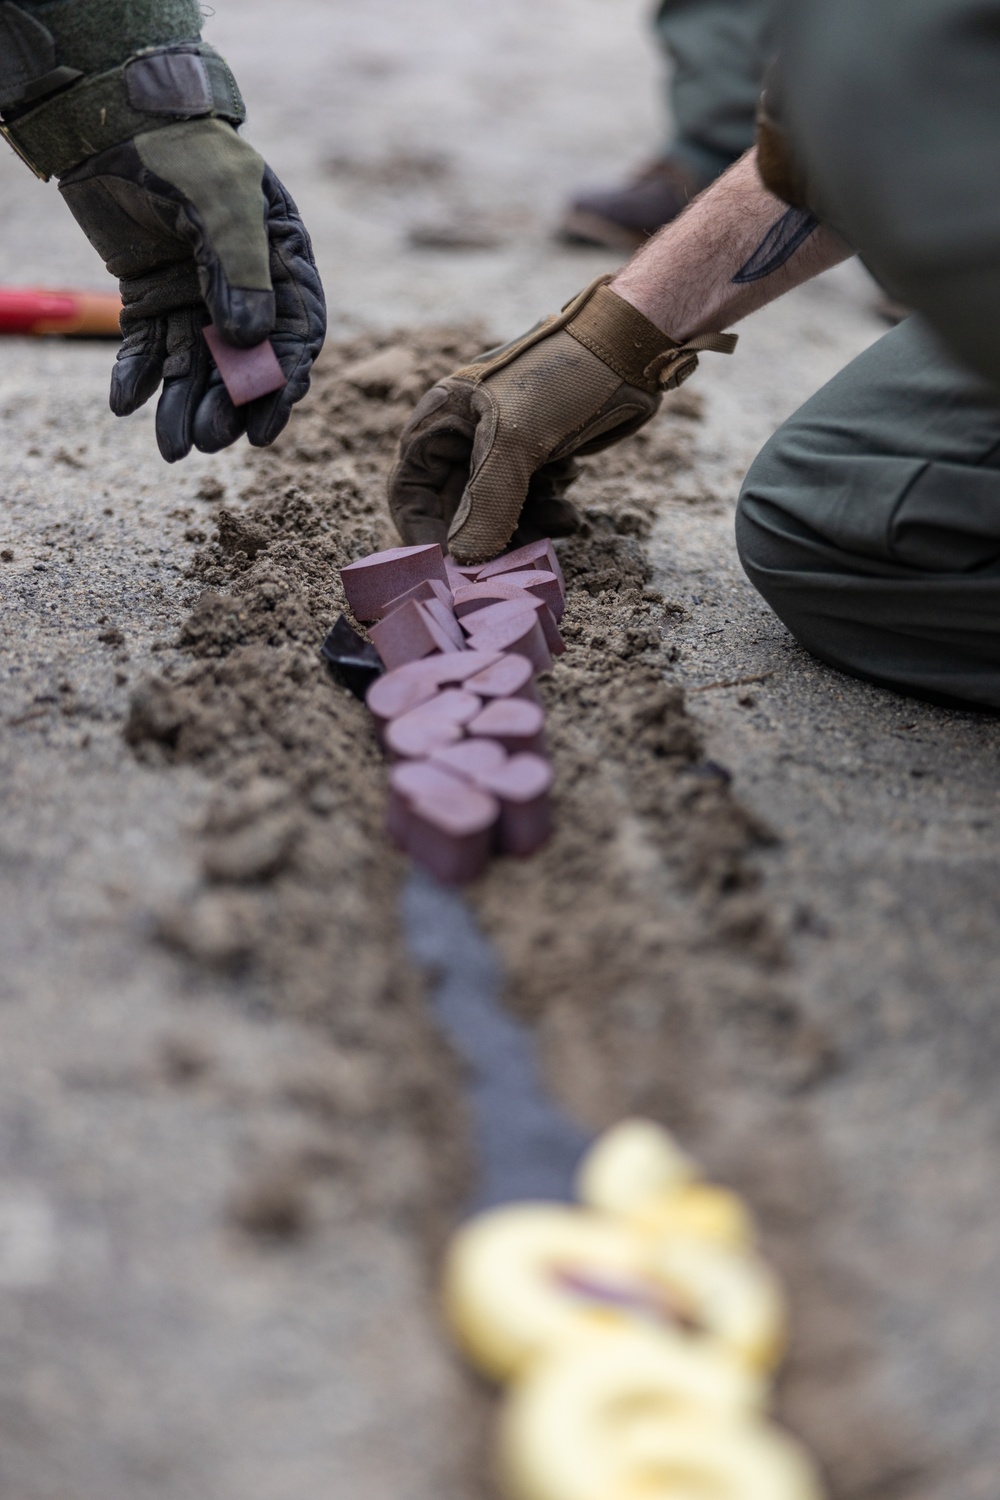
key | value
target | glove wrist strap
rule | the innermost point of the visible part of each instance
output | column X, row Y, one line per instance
column 157, row 87
column 618, row 334
column 632, row 346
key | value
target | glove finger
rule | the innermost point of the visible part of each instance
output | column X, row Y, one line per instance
column 186, row 374
column 138, row 367
column 300, row 312
column 427, row 484
column 269, row 415
column 503, row 460
column 217, row 422
column 133, row 380
column 432, row 463
column 547, row 511
column 553, row 515
column 174, row 419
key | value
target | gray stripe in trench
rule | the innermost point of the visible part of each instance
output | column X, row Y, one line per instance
column 526, row 1147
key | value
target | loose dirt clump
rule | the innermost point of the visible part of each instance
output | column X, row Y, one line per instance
column 639, row 941
column 299, row 890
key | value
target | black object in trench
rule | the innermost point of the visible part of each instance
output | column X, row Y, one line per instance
column 353, row 661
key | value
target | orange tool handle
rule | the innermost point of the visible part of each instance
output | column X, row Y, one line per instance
column 37, row 311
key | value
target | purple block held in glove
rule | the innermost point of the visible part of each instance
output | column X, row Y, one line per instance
column 247, row 374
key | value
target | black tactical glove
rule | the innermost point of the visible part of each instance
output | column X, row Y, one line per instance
column 137, row 117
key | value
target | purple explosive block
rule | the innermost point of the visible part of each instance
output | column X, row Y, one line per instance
column 508, row 677
column 395, row 693
column 522, row 635
column 538, row 581
column 416, row 738
column 538, row 555
column 471, row 759
column 460, row 666
column 432, row 726
column 409, row 780
column 451, row 832
column 455, row 704
column 508, row 609
column 475, row 596
column 444, row 617
column 517, row 725
column 522, row 785
column 458, row 573
column 247, row 374
column 410, row 633
column 372, row 582
column 422, row 592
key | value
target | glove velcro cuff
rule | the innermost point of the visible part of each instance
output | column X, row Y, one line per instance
column 635, row 348
column 621, row 338
column 158, row 87
column 618, row 334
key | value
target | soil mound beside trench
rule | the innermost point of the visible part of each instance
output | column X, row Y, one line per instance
column 639, row 942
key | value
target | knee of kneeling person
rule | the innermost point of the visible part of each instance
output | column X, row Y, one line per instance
column 765, row 530
column 782, row 557
column 782, row 520
column 801, row 578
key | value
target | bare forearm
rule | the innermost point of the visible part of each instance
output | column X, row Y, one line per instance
column 734, row 250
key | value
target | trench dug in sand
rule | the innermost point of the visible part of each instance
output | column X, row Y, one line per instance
column 639, row 943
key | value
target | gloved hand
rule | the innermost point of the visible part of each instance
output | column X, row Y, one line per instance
column 494, row 445
column 137, row 117
column 198, row 229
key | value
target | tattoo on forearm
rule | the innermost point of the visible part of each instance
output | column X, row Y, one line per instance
column 778, row 245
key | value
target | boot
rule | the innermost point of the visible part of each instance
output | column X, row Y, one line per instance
column 622, row 218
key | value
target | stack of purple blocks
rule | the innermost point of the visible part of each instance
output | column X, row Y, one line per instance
column 457, row 711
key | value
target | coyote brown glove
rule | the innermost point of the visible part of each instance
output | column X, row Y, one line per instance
column 499, row 437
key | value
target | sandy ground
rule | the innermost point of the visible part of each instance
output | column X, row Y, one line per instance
column 232, row 1137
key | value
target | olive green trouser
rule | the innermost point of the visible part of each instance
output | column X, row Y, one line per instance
column 718, row 50
column 870, row 522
